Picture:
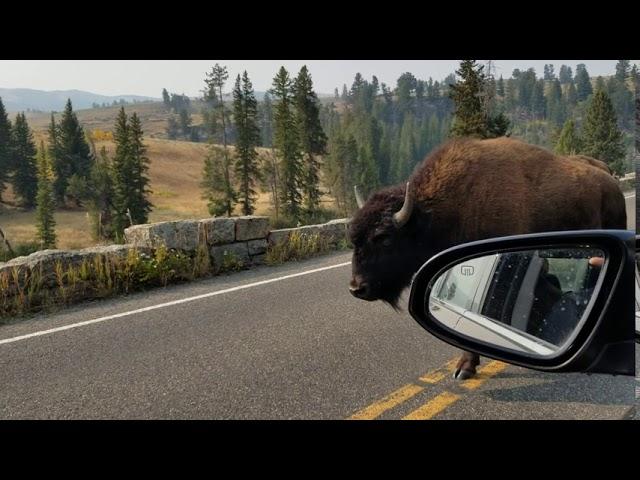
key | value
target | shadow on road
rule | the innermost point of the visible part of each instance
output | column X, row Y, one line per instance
column 592, row 389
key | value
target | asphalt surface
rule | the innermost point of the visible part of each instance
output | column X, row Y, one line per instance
column 287, row 348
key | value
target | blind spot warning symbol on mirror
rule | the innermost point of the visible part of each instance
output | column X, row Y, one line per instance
column 466, row 270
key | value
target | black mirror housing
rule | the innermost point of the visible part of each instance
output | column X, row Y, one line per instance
column 605, row 343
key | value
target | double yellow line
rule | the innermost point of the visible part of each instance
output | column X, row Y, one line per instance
column 436, row 404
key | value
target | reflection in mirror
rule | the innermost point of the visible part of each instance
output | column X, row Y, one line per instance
column 530, row 301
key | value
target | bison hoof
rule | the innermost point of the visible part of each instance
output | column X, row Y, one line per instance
column 461, row 374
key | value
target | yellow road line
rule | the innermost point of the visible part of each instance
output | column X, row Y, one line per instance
column 433, row 406
column 375, row 410
column 484, row 373
column 439, row 374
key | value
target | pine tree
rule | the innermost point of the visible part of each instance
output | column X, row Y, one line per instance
column 635, row 75
column 100, row 199
column 216, row 185
column 623, row 69
column 266, row 121
column 72, row 152
column 384, row 159
column 549, row 74
column 184, row 121
column 498, row 125
column 500, row 87
column 245, row 113
column 394, row 155
column 510, row 101
column 341, row 170
column 139, row 204
column 53, row 137
column 5, row 148
column 583, row 83
column 572, row 96
column 166, row 99
column 311, row 138
column 405, row 89
column 215, row 82
column 407, row 150
column 367, row 133
column 286, row 144
column 538, row 101
column 45, row 201
column 476, row 113
column 25, row 169
column 565, row 75
column 569, row 142
column 601, row 137
column 526, row 89
column 122, row 173
column 556, row 111
column 469, row 119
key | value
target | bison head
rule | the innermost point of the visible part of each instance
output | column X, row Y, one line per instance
column 389, row 236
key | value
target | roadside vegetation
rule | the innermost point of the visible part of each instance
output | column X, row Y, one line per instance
column 24, row 291
column 300, row 246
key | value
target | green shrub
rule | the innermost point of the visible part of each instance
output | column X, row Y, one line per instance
column 20, row 250
column 231, row 262
column 322, row 215
column 297, row 247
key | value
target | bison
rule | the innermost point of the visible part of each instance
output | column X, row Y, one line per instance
column 467, row 190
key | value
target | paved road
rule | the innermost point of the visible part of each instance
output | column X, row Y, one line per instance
column 273, row 343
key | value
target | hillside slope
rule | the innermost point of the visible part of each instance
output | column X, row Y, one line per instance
column 19, row 99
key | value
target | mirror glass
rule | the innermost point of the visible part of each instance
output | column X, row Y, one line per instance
column 530, row 301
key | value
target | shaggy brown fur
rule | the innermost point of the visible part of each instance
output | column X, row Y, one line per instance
column 497, row 187
column 591, row 161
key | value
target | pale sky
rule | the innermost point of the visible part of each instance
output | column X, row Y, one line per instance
column 148, row 77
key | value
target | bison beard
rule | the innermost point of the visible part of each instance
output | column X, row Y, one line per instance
column 469, row 190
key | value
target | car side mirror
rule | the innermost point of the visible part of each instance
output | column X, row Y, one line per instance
column 559, row 301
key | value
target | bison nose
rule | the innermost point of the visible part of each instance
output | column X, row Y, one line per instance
column 359, row 291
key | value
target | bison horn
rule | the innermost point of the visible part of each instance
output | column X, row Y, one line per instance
column 359, row 200
column 401, row 217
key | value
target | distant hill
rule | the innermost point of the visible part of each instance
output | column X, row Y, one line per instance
column 21, row 99
column 228, row 97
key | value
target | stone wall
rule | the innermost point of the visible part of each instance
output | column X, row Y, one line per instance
column 240, row 239
column 241, row 242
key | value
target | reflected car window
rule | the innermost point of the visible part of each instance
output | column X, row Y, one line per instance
column 461, row 284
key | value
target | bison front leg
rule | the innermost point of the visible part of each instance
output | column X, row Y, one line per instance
column 466, row 367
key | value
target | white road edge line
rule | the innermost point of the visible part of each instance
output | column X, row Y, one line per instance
column 168, row 304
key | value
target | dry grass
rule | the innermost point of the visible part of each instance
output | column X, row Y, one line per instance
column 72, row 228
column 175, row 173
column 153, row 116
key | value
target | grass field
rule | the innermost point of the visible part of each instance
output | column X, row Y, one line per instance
column 175, row 172
column 152, row 115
